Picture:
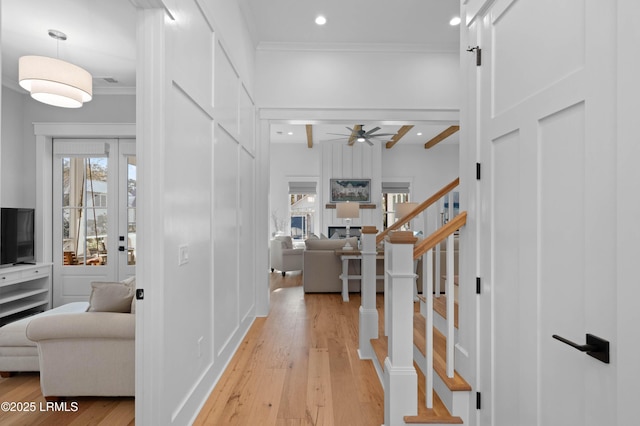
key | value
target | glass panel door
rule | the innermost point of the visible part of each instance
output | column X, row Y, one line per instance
column 93, row 215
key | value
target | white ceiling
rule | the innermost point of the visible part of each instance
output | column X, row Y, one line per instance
column 296, row 133
column 101, row 39
column 422, row 22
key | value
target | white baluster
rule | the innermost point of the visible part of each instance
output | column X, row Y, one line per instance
column 387, row 316
column 427, row 271
column 450, row 306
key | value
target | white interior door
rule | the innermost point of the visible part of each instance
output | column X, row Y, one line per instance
column 548, row 190
column 93, row 200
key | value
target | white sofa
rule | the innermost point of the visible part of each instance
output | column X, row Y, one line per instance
column 89, row 353
column 86, row 354
column 17, row 353
column 284, row 257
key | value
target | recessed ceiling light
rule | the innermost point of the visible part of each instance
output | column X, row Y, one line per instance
column 419, row 133
column 290, row 133
column 321, row 20
column 454, row 21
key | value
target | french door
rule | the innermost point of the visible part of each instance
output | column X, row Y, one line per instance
column 94, row 214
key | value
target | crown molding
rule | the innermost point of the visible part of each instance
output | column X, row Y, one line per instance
column 360, row 47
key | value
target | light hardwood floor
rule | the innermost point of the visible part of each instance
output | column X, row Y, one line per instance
column 299, row 366
column 25, row 388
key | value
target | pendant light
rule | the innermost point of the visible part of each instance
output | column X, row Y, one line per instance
column 53, row 81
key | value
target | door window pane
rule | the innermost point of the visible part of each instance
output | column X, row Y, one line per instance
column 84, row 213
column 131, row 210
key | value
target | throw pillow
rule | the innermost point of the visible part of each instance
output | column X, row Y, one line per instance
column 110, row 297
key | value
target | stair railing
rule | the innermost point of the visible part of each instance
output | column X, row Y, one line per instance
column 424, row 249
column 419, row 209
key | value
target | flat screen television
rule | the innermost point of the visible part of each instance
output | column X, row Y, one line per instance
column 17, row 243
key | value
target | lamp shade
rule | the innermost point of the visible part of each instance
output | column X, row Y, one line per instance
column 404, row 209
column 347, row 210
column 55, row 82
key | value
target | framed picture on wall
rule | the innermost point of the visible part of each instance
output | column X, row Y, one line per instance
column 357, row 190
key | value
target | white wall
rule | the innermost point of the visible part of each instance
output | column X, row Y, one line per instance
column 198, row 158
column 339, row 79
column 18, row 146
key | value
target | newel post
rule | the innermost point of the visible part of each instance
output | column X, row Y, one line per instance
column 400, row 379
column 368, row 312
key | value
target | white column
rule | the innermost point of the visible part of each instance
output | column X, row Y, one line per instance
column 368, row 312
column 400, row 377
column 387, row 293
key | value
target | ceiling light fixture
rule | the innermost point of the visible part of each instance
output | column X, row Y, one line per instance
column 361, row 139
column 419, row 133
column 53, row 81
column 321, row 20
column 455, row 21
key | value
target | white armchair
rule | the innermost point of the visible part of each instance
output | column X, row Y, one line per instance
column 283, row 256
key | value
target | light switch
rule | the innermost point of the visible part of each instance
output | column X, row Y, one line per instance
column 183, row 254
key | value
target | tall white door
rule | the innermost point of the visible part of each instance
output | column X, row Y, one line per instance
column 94, row 221
column 547, row 258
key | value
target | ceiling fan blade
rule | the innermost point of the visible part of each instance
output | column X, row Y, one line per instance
column 338, row 134
column 368, row 141
column 375, row 129
column 380, row 134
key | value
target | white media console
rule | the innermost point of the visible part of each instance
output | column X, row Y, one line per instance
column 24, row 290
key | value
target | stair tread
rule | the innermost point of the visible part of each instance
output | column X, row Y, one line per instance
column 381, row 349
column 436, row 415
column 440, row 306
column 457, row 383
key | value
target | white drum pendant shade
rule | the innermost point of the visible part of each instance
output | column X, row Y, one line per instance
column 55, row 82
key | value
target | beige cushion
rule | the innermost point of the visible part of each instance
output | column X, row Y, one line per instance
column 287, row 242
column 111, row 296
column 330, row 244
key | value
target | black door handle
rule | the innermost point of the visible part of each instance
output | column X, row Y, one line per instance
column 595, row 347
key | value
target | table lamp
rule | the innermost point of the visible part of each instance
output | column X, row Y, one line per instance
column 347, row 211
column 403, row 209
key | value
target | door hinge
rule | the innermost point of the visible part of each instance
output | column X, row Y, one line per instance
column 478, row 285
column 478, row 401
column 478, row 167
column 140, row 294
column 478, row 54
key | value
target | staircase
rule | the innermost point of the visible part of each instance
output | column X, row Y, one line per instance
column 420, row 381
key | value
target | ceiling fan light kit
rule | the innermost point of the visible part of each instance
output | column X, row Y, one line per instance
column 360, row 135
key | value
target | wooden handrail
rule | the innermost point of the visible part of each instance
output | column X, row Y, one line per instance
column 434, row 239
column 419, row 209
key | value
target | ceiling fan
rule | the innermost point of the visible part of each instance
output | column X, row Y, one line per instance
column 358, row 134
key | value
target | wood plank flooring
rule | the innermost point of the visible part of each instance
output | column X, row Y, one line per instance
column 25, row 388
column 299, row 366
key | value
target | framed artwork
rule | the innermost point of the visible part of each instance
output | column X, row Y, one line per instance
column 357, row 190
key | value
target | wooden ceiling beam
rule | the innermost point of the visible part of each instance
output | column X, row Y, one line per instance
column 354, row 134
column 442, row 136
column 403, row 131
column 309, row 135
